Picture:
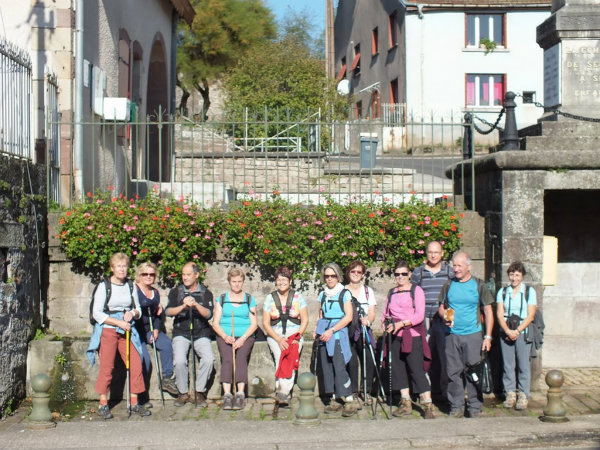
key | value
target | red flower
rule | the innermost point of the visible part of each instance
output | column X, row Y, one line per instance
column 266, row 250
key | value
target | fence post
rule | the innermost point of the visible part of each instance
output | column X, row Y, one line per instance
column 510, row 137
column 468, row 136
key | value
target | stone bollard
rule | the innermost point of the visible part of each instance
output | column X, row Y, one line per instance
column 40, row 416
column 307, row 414
column 554, row 411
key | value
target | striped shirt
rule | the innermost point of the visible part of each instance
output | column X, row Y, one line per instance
column 432, row 284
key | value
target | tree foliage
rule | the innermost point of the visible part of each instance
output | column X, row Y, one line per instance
column 281, row 75
column 223, row 31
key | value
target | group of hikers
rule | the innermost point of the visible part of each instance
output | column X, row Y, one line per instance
column 437, row 322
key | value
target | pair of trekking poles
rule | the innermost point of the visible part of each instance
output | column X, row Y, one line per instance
column 367, row 343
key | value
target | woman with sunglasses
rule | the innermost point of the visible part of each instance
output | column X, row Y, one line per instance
column 335, row 314
column 145, row 276
column 404, row 314
column 364, row 305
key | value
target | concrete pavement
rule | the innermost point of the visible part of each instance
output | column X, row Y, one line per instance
column 261, row 425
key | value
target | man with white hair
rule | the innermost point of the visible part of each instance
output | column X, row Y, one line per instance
column 465, row 296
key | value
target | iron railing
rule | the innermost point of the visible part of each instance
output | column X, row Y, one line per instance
column 15, row 107
column 52, row 138
column 308, row 160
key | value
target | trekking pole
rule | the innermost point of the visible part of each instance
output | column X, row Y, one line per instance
column 127, row 389
column 364, row 363
column 389, row 355
column 233, row 352
column 193, row 357
column 156, row 364
column 378, row 401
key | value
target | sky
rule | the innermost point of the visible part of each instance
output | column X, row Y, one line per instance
column 315, row 9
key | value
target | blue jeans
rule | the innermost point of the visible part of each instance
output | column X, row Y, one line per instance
column 515, row 358
column 165, row 352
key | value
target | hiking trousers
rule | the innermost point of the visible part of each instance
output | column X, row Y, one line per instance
column 515, row 358
column 335, row 376
column 283, row 385
column 203, row 349
column 460, row 351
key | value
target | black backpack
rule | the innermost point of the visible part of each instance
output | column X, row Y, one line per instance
column 284, row 316
column 107, row 286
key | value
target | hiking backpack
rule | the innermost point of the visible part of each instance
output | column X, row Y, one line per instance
column 107, row 286
column 284, row 317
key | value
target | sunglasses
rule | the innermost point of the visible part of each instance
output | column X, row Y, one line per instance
column 146, row 274
column 357, row 272
column 329, row 276
column 400, row 274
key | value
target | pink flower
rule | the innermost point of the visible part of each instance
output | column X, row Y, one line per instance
column 257, row 213
column 135, row 252
column 411, row 251
column 321, row 241
column 353, row 254
column 99, row 201
column 312, row 237
column 318, row 222
column 133, row 239
column 192, row 222
column 211, row 224
column 344, row 253
column 407, row 227
column 110, row 226
column 426, row 234
column 329, row 236
column 195, row 256
column 207, row 237
column 183, row 239
column 90, row 227
column 322, row 189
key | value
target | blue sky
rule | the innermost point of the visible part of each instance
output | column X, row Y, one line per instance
column 315, row 9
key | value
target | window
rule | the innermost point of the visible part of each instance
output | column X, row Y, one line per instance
column 528, row 96
column 342, row 72
column 358, row 109
column 356, row 63
column 485, row 89
column 375, row 41
column 394, row 91
column 374, row 107
column 485, row 26
column 393, row 30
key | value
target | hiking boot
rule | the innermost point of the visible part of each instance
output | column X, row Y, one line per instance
column 357, row 401
column 201, row 400
column 474, row 414
column 521, row 401
column 404, row 409
column 511, row 399
column 456, row 414
column 282, row 400
column 333, row 407
column 428, row 410
column 168, row 385
column 182, row 400
column 350, row 408
column 239, row 402
column 104, row 412
column 140, row 410
column 228, row 401
column 148, row 405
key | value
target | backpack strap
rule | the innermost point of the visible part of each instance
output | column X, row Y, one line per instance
column 284, row 316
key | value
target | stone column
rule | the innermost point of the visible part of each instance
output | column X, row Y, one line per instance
column 570, row 38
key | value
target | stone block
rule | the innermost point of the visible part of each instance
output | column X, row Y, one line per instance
column 582, row 351
column 526, row 250
column 41, row 358
column 472, row 226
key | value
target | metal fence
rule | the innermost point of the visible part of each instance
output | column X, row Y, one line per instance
column 307, row 160
column 52, row 137
column 15, row 106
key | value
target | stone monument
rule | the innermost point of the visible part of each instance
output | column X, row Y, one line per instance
column 552, row 188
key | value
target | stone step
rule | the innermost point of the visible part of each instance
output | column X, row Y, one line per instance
column 569, row 143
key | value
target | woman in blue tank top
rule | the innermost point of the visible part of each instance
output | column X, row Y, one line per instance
column 335, row 315
column 234, row 322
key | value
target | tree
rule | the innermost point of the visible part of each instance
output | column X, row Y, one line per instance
column 281, row 86
column 281, row 74
column 222, row 32
column 300, row 27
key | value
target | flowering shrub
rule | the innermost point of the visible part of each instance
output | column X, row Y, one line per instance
column 266, row 233
column 166, row 232
column 273, row 233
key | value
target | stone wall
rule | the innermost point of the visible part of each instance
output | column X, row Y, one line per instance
column 22, row 270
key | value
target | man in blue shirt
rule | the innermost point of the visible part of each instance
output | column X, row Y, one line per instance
column 466, row 295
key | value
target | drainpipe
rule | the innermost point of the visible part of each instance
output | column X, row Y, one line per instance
column 78, row 107
column 419, row 7
column 172, row 102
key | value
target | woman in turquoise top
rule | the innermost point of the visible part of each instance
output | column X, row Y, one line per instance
column 234, row 322
column 515, row 309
